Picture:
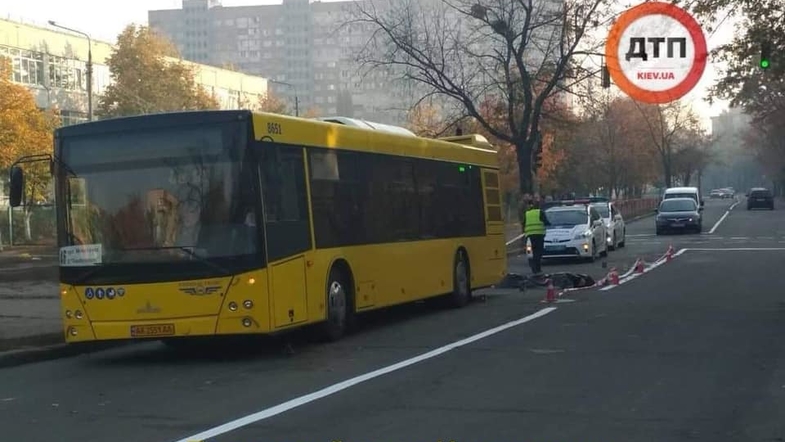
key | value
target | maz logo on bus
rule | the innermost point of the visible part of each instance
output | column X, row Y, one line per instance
column 274, row 128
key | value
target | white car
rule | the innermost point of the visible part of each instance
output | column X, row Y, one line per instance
column 614, row 224
column 575, row 231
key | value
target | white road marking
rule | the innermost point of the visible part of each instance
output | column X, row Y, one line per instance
column 514, row 239
column 636, row 235
column 723, row 217
column 737, row 249
column 335, row 388
column 737, row 238
column 630, row 276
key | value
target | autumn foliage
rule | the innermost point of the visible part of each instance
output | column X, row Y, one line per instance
column 146, row 81
column 614, row 146
column 24, row 130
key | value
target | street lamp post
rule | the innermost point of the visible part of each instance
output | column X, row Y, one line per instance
column 89, row 66
column 296, row 99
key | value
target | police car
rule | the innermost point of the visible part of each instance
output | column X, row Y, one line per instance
column 576, row 230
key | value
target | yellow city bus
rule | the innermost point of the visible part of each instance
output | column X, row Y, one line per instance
column 231, row 222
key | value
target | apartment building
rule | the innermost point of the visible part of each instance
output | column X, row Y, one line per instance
column 52, row 64
column 305, row 48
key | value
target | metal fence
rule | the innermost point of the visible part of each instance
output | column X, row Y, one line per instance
column 32, row 225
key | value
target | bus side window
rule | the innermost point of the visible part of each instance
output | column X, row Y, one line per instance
column 285, row 201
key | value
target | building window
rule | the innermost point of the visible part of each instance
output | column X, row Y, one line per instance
column 67, row 73
column 28, row 66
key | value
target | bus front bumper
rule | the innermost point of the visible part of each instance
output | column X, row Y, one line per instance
column 160, row 328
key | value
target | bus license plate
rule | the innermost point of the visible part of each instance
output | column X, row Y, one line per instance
column 141, row 331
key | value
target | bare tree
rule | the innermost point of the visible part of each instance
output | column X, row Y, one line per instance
column 665, row 123
column 693, row 155
column 515, row 53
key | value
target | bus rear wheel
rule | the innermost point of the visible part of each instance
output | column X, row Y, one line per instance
column 338, row 306
column 462, row 289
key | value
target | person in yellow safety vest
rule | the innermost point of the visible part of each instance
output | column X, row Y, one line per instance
column 533, row 225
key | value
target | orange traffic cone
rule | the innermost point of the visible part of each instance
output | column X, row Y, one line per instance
column 614, row 276
column 550, row 294
column 639, row 266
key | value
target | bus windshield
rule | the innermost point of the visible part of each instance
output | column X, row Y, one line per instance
column 159, row 196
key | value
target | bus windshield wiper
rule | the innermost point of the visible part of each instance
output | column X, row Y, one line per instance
column 87, row 274
column 189, row 252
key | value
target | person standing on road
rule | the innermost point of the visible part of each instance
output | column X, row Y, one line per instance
column 533, row 226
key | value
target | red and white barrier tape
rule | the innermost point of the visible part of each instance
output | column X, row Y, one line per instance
column 605, row 281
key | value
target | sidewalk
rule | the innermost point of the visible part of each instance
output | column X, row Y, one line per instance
column 29, row 304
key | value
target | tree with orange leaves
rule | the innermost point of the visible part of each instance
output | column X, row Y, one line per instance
column 24, row 130
column 147, row 78
column 519, row 53
column 271, row 103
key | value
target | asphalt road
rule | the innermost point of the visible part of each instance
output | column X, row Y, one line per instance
column 691, row 350
column 641, row 243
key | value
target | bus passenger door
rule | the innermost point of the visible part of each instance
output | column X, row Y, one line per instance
column 287, row 231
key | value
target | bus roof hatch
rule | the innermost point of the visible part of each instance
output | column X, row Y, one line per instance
column 363, row 124
column 474, row 140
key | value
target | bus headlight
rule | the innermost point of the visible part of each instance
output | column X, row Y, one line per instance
column 78, row 314
column 247, row 322
column 233, row 306
column 248, row 304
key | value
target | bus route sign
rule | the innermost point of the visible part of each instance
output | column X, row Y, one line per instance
column 656, row 52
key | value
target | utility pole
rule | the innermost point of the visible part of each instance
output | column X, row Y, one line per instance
column 89, row 66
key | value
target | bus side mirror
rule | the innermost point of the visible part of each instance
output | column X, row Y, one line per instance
column 17, row 186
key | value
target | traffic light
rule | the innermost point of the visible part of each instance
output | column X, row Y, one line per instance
column 538, row 159
column 765, row 55
column 606, row 77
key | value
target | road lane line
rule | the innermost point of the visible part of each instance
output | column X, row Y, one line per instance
column 335, row 388
column 737, row 249
column 723, row 217
column 630, row 276
column 514, row 239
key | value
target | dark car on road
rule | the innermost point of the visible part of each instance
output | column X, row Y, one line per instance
column 760, row 197
column 679, row 214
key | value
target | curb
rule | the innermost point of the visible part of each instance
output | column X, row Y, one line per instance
column 45, row 347
column 640, row 217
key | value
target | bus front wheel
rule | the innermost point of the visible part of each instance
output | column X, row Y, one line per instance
column 462, row 289
column 338, row 306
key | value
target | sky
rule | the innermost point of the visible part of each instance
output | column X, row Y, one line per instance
column 104, row 22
